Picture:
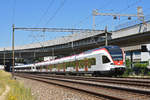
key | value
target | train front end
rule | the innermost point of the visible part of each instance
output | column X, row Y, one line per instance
column 117, row 65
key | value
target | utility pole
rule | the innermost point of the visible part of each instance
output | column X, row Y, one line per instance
column 4, row 57
column 53, row 54
column 72, row 45
column 106, row 41
column 13, row 52
column 93, row 21
column 34, row 54
column 140, row 12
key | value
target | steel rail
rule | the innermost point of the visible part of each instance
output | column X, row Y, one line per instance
column 70, row 87
column 108, row 80
column 133, row 90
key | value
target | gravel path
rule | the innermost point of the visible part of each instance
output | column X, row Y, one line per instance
column 3, row 96
column 43, row 91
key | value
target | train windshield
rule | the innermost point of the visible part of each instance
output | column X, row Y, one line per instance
column 116, row 53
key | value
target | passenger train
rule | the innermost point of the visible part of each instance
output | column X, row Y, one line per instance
column 107, row 60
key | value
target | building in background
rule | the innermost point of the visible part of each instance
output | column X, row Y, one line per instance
column 140, row 56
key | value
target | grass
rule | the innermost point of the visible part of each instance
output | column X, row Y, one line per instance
column 17, row 89
column 3, row 76
column 2, row 87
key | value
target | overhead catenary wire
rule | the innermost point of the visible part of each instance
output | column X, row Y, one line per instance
column 122, row 10
column 129, row 6
column 51, row 2
column 89, row 15
column 45, row 12
column 56, row 12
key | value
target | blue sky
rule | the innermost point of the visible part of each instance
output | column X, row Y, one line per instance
column 60, row 14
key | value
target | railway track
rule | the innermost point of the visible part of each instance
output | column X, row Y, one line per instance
column 140, row 83
column 70, row 86
column 96, row 88
column 143, row 83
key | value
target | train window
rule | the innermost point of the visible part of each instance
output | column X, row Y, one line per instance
column 116, row 53
column 105, row 59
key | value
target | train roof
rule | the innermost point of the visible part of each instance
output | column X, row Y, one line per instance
column 107, row 47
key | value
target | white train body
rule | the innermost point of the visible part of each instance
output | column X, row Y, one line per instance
column 106, row 60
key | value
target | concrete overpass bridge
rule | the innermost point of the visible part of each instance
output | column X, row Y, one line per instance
column 130, row 38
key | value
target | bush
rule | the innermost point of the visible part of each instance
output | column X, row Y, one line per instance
column 148, row 73
column 128, row 70
column 140, row 68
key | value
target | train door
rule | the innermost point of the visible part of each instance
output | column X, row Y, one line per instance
column 98, row 62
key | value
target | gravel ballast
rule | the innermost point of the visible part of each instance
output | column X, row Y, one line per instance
column 44, row 91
